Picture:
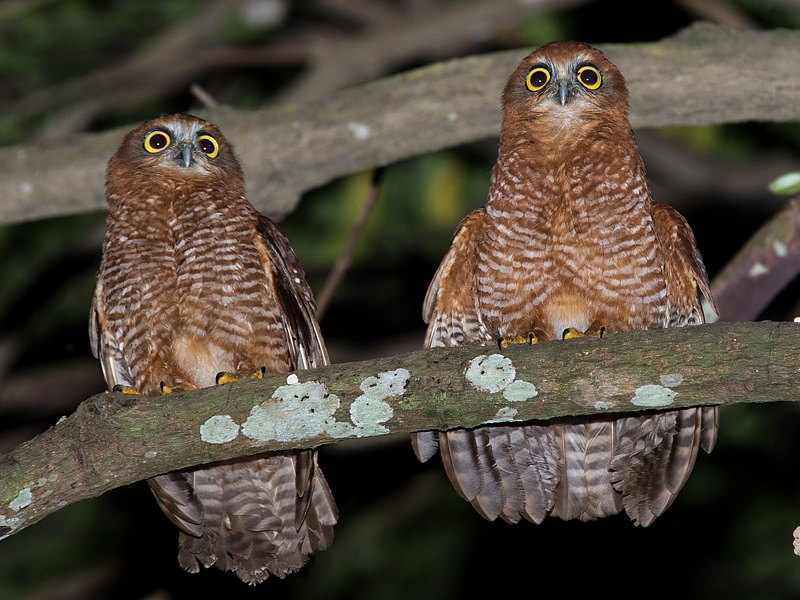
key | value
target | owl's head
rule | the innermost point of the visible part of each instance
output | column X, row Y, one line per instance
column 564, row 83
column 176, row 147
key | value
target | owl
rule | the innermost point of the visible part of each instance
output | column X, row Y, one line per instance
column 195, row 288
column 569, row 243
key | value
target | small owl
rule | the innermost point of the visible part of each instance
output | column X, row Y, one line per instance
column 569, row 243
column 196, row 287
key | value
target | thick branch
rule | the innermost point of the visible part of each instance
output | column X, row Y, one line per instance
column 289, row 150
column 116, row 439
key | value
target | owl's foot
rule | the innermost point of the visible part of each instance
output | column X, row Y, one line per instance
column 127, row 389
column 228, row 377
column 571, row 332
column 507, row 340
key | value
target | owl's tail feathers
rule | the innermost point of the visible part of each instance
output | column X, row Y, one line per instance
column 256, row 517
column 575, row 469
column 506, row 472
column 655, row 456
column 585, row 491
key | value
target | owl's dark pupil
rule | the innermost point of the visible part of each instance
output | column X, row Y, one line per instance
column 158, row 140
column 206, row 146
column 539, row 79
column 589, row 77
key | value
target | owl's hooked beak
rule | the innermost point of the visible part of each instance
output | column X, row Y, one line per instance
column 185, row 156
column 564, row 92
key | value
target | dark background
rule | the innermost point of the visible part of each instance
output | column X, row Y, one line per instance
column 403, row 531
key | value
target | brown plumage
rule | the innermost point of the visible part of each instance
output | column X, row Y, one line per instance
column 195, row 282
column 569, row 240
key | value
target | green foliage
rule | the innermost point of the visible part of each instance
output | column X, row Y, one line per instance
column 787, row 184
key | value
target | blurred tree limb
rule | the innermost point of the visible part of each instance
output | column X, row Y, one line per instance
column 682, row 80
column 764, row 265
column 115, row 439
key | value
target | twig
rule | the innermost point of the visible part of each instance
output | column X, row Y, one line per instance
column 346, row 257
column 206, row 99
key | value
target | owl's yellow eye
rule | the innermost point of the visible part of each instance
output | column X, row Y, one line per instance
column 589, row 77
column 156, row 141
column 208, row 145
column 537, row 78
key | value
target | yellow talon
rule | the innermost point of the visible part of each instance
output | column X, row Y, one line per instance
column 125, row 389
column 165, row 389
column 225, row 377
column 259, row 374
column 571, row 332
column 228, row 377
column 505, row 341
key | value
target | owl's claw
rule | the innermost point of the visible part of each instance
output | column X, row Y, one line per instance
column 506, row 340
column 125, row 389
column 128, row 389
column 570, row 333
column 228, row 377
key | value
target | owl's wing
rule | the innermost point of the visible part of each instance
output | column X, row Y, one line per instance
column 306, row 351
column 104, row 345
column 450, row 307
column 686, row 275
column 298, row 307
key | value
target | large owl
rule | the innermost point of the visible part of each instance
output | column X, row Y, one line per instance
column 569, row 243
column 195, row 288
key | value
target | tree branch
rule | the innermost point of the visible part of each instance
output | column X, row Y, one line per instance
column 766, row 263
column 115, row 439
column 291, row 149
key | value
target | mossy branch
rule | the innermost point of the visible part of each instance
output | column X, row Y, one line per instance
column 114, row 439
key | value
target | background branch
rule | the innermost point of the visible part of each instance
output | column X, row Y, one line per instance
column 291, row 149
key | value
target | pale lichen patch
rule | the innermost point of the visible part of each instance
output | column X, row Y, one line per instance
column 603, row 405
column 758, row 269
column 295, row 412
column 519, row 391
column 359, row 131
column 368, row 414
column 7, row 525
column 504, row 415
column 219, row 429
column 653, row 396
column 338, row 429
column 780, row 248
column 386, row 384
column 24, row 498
column 369, row 410
column 671, row 380
column 490, row 373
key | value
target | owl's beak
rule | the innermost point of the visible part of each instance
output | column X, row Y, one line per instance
column 564, row 92
column 185, row 155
